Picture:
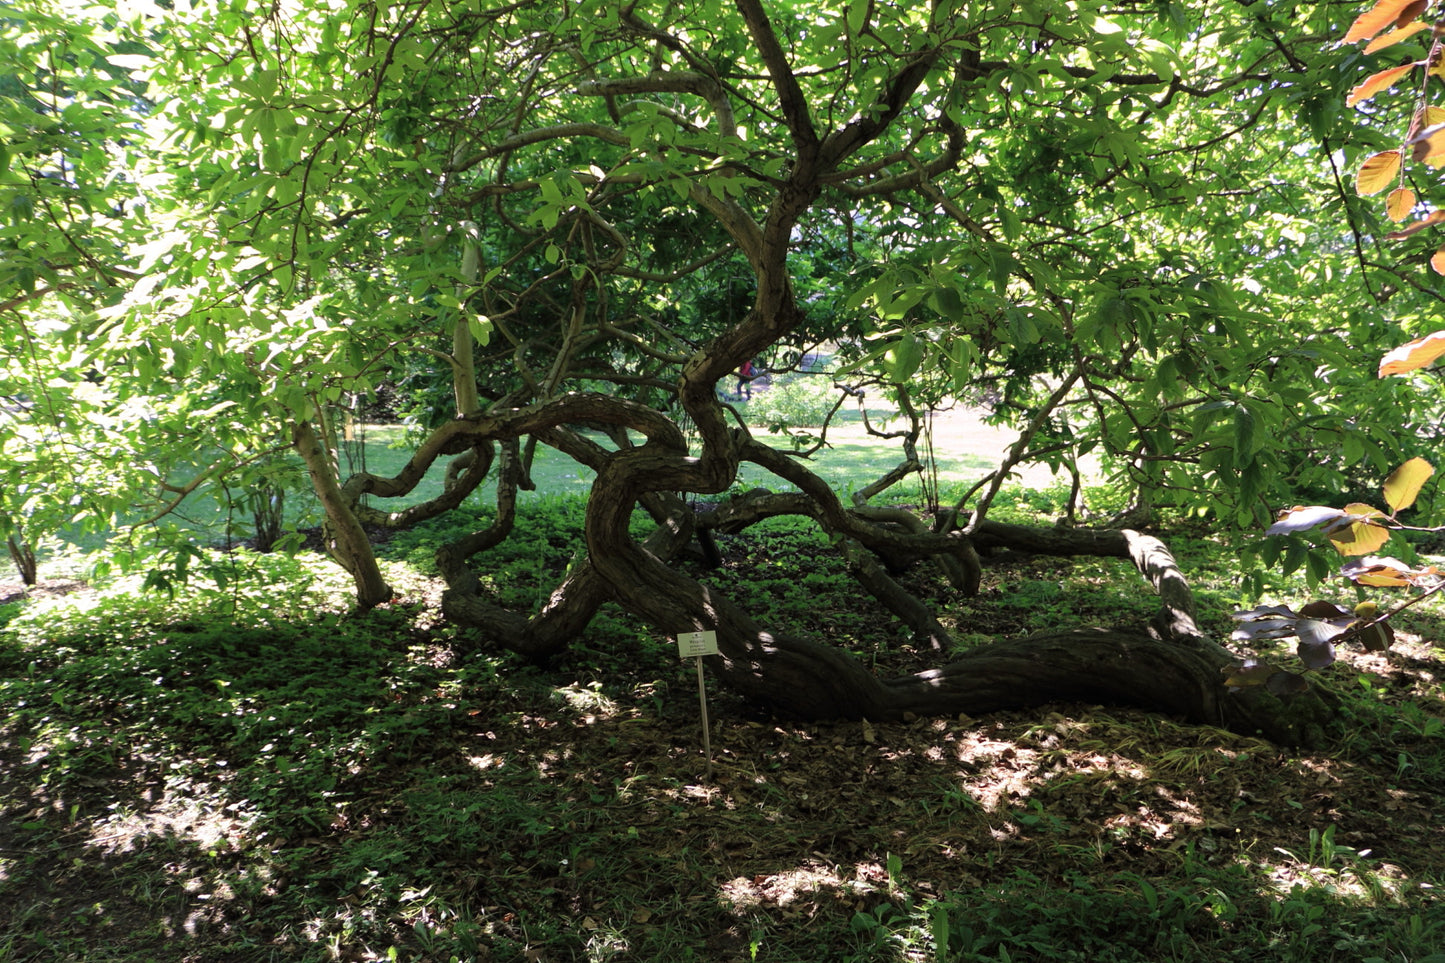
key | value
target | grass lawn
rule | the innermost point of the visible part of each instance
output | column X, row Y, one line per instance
column 851, row 460
column 964, row 449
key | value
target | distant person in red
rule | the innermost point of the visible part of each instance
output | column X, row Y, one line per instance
column 745, row 380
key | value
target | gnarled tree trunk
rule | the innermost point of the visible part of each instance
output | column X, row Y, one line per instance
column 1169, row 665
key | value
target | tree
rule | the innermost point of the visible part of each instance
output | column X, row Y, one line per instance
column 591, row 215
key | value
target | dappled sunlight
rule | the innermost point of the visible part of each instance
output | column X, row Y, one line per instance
column 1377, row 884
column 485, row 762
column 869, row 831
column 589, row 699
column 180, row 814
column 1096, row 811
column 746, row 893
column 177, row 847
column 917, row 272
column 354, row 784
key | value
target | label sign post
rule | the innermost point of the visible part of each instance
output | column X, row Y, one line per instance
column 695, row 645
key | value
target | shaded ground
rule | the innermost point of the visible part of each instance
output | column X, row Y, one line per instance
column 414, row 803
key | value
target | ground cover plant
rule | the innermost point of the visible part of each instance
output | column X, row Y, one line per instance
column 569, row 228
column 254, row 773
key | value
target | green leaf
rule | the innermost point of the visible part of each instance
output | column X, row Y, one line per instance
column 947, row 302
column 1002, row 263
column 961, row 360
column 1295, row 556
column 481, row 327
column 1023, row 329
column 904, row 358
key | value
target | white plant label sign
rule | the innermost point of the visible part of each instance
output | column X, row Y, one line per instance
column 696, row 644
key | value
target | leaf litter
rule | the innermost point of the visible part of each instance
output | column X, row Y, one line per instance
column 550, row 817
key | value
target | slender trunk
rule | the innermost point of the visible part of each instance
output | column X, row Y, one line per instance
column 24, row 558
column 464, row 373
column 346, row 540
column 268, row 512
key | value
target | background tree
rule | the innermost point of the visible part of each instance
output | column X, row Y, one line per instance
column 591, row 216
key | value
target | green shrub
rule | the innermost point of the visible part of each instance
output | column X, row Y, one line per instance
column 795, row 401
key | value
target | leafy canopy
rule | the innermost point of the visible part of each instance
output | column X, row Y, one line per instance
column 222, row 223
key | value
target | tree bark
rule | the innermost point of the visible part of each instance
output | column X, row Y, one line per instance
column 346, row 540
column 1169, row 666
column 23, row 555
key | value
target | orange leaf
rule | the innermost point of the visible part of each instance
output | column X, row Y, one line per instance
column 1377, row 172
column 1382, row 580
column 1395, row 36
column 1429, row 145
column 1365, row 535
column 1361, row 538
column 1405, row 483
column 1399, row 204
column 1424, row 117
column 1373, row 570
column 1375, row 83
column 1375, row 19
column 1411, row 12
column 1414, row 354
column 1437, row 260
column 1429, row 220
